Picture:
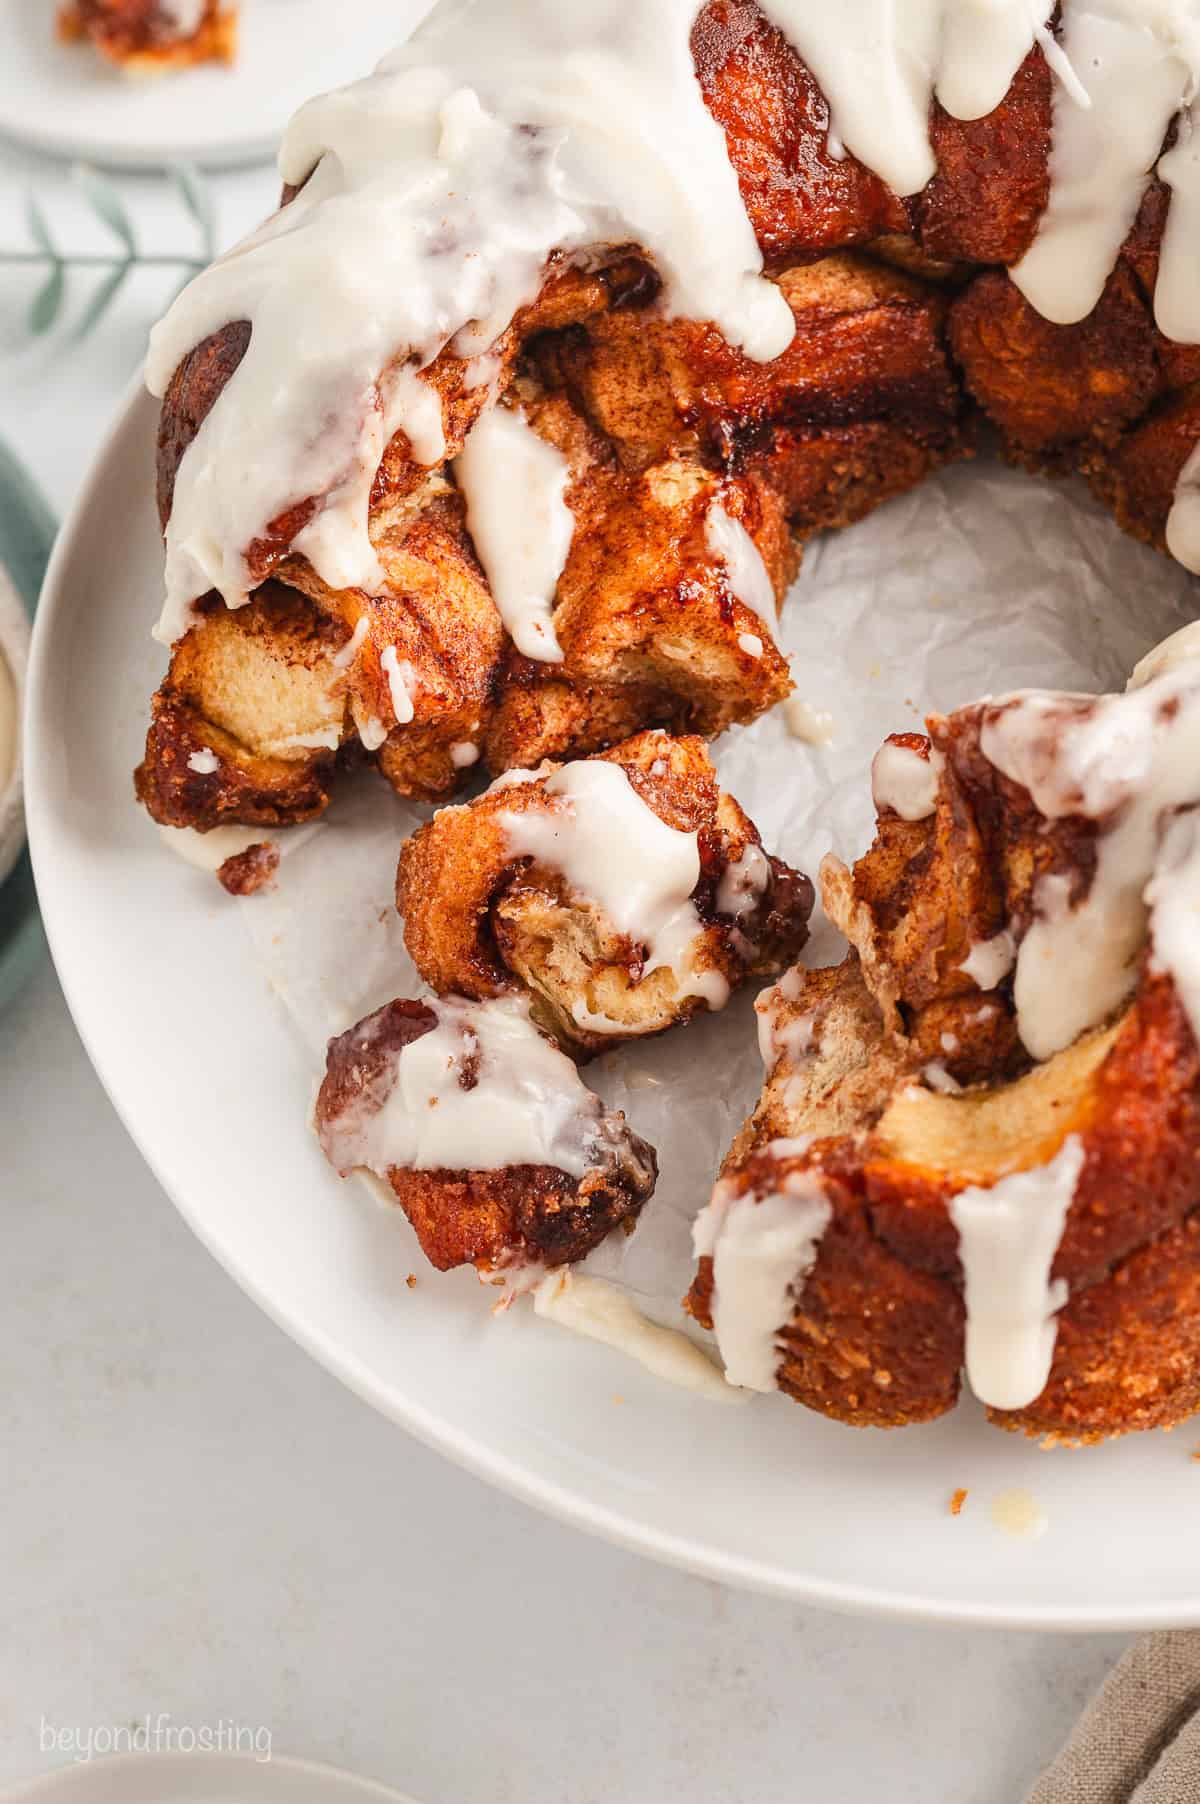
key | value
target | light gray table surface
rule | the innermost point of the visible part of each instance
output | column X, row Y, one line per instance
column 196, row 1520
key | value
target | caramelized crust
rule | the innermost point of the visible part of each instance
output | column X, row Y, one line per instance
column 1046, row 386
column 513, row 1216
column 479, row 920
column 800, row 199
column 876, row 1337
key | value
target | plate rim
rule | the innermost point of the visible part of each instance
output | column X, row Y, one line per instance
column 550, row 1496
column 78, row 1776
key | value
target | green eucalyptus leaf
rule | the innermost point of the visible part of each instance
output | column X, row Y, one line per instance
column 102, row 297
column 198, row 201
column 108, row 206
column 48, row 301
column 39, row 231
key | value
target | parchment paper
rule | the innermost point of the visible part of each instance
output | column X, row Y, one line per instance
column 980, row 581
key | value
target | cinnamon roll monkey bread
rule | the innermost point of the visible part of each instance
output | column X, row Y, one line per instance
column 494, row 453
column 151, row 37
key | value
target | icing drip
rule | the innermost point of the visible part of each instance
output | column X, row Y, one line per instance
column 1136, row 62
column 905, row 780
column 481, row 1091
column 749, row 579
column 597, row 1309
column 613, row 849
column 1173, row 897
column 1183, row 521
column 879, row 65
column 772, row 1039
column 1178, row 280
column 990, row 961
column 1008, row 1235
column 743, row 882
column 434, row 192
column 1128, row 761
column 1169, row 655
column 514, row 484
column 400, row 677
column 812, row 726
column 762, row 1249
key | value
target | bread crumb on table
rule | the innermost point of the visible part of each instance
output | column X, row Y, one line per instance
column 957, row 1499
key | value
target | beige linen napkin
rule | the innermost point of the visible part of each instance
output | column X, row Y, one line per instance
column 1138, row 1741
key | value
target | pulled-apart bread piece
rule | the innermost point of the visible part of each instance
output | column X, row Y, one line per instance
column 267, row 693
column 632, row 597
column 418, row 1089
column 621, row 893
column 151, row 37
column 979, row 1138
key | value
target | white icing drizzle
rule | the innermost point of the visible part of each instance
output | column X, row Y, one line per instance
column 1169, row 655
column 344, row 658
column 749, row 579
column 463, row 754
column 1179, row 258
column 515, row 485
column 905, row 780
column 751, row 644
column 1127, row 761
column 1136, row 62
column 597, row 1309
column 186, row 15
column 990, row 961
column 204, row 762
column 401, row 678
column 772, row 1039
column 208, row 851
column 1173, row 898
column 613, row 849
column 1183, row 521
column 526, row 1104
column 1008, row 1235
column 938, row 1078
column 880, row 63
column 370, row 729
column 434, row 193
column 762, row 1249
column 743, row 882
column 810, row 725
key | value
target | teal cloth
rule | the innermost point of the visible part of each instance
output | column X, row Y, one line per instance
column 27, row 531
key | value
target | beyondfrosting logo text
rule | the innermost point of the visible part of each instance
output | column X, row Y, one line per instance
column 160, row 1734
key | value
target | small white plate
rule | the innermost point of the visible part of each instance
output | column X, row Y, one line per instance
column 215, row 1087
column 64, row 99
column 168, row 1778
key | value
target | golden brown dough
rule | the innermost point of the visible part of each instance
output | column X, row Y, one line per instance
column 501, row 1219
column 481, row 919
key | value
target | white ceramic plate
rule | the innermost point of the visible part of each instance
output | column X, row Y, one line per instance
column 64, row 99
column 214, row 1086
column 163, row 1778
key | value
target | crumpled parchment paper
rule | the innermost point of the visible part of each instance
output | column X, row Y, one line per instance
column 981, row 581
